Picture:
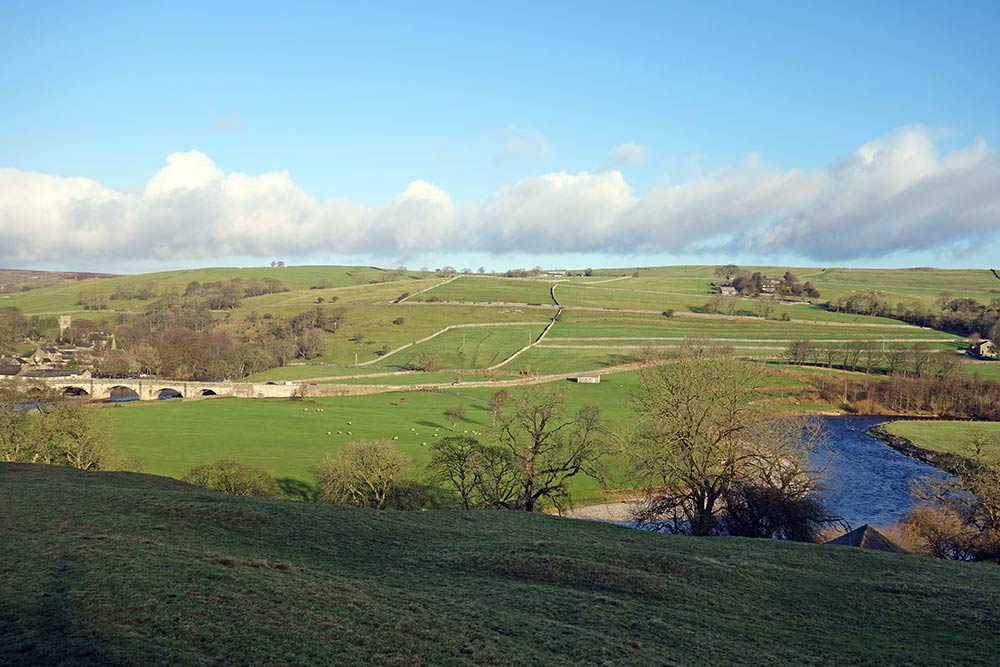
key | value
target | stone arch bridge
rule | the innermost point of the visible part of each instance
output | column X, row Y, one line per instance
column 150, row 389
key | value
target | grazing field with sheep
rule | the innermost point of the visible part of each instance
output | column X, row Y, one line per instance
column 290, row 438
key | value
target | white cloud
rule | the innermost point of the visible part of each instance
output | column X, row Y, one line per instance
column 897, row 194
column 626, row 156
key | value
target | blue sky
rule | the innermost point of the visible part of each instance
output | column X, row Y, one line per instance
column 503, row 134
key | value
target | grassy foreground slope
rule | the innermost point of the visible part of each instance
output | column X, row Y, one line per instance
column 127, row 569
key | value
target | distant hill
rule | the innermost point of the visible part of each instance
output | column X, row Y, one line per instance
column 13, row 281
column 128, row 569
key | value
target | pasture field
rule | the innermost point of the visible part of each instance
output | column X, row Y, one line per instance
column 471, row 347
column 474, row 289
column 119, row 568
column 987, row 370
column 297, row 301
column 594, row 325
column 377, row 328
column 289, row 438
column 950, row 437
column 922, row 284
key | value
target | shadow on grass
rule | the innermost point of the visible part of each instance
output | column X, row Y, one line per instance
column 296, row 489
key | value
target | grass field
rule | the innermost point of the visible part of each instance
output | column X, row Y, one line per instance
column 491, row 290
column 375, row 324
column 950, row 437
column 125, row 569
column 290, row 438
column 472, row 347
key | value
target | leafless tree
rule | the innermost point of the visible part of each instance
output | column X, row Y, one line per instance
column 362, row 474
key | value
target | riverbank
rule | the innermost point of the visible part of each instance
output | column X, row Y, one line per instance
column 942, row 460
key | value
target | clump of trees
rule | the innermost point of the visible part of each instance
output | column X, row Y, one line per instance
column 179, row 338
column 40, row 425
column 963, row 315
column 713, row 461
column 364, row 473
column 14, row 326
column 234, row 478
column 958, row 517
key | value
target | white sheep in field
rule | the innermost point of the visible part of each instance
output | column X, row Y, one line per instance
column 328, row 433
column 349, row 433
column 349, row 423
column 340, row 433
column 395, row 437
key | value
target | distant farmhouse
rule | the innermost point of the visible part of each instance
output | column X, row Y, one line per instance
column 733, row 281
column 985, row 349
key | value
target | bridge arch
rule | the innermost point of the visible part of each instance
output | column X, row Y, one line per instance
column 167, row 393
column 122, row 394
column 74, row 391
column 208, row 392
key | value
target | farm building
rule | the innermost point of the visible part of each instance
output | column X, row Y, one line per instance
column 589, row 379
column 985, row 349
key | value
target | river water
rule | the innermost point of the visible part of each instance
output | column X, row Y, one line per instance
column 866, row 481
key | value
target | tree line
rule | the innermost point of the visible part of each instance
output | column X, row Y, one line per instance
column 960, row 315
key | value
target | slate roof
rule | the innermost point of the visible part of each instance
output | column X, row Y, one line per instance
column 867, row 537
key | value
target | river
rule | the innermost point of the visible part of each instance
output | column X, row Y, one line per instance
column 866, row 481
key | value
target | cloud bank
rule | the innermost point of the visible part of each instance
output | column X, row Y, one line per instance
column 896, row 194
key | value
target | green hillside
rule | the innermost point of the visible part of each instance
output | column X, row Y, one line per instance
column 126, row 569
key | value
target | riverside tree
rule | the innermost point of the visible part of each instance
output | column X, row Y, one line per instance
column 40, row 425
column 703, row 443
column 958, row 517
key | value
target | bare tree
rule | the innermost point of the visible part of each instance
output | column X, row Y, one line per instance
column 496, row 404
column 548, row 444
column 701, row 437
column 963, row 521
column 234, row 478
column 454, row 461
column 455, row 414
column 362, row 474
